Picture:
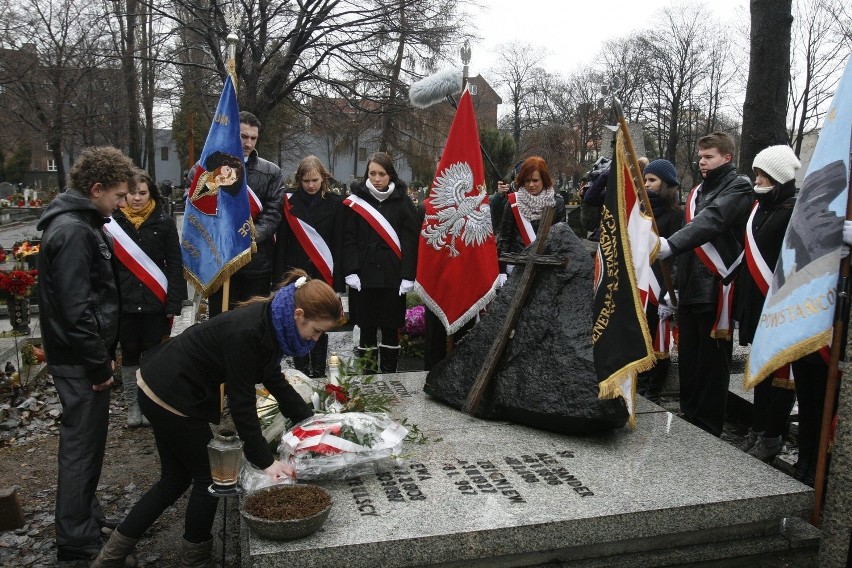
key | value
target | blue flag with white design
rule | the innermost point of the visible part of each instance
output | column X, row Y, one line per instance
column 217, row 234
column 799, row 310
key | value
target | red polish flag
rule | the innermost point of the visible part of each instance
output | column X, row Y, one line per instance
column 457, row 268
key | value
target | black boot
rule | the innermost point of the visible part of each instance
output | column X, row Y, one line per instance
column 369, row 359
column 656, row 381
column 303, row 364
column 388, row 357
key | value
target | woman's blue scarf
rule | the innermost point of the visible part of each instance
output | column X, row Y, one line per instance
column 284, row 321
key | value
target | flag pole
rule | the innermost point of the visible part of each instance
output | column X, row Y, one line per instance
column 232, row 19
column 640, row 185
column 841, row 321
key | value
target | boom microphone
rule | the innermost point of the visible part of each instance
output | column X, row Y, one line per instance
column 435, row 88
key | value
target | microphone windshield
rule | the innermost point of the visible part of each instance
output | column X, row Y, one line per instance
column 435, row 88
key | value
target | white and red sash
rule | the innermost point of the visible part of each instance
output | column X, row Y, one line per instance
column 710, row 257
column 757, row 266
column 525, row 228
column 312, row 243
column 255, row 206
column 137, row 262
column 663, row 333
column 376, row 221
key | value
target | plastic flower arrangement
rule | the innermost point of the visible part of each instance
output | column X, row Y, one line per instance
column 18, row 283
column 25, row 249
column 415, row 320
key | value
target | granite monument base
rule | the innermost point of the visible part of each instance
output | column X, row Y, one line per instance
column 490, row 493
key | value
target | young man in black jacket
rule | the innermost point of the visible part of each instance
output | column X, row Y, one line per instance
column 267, row 182
column 708, row 248
column 78, row 312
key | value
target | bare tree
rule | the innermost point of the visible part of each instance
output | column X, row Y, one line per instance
column 678, row 62
column 519, row 64
column 818, row 55
column 56, row 44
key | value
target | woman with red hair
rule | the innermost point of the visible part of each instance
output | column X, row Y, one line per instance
column 521, row 219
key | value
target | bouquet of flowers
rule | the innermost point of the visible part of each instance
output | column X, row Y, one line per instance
column 18, row 283
column 346, row 444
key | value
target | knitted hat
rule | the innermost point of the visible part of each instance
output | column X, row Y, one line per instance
column 664, row 170
column 778, row 162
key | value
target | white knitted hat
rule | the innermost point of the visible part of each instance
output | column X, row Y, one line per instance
column 778, row 162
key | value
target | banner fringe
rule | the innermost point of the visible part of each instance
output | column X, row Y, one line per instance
column 782, row 358
column 224, row 273
column 471, row 313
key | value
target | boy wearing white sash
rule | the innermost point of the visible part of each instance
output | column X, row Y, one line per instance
column 708, row 249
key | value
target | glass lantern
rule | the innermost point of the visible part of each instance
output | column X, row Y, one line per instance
column 225, row 451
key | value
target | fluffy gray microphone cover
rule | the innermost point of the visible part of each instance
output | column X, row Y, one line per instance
column 435, row 88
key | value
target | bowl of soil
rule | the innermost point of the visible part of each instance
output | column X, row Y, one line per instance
column 286, row 512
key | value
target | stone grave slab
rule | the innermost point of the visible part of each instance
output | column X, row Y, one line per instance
column 491, row 493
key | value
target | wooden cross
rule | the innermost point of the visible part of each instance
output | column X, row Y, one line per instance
column 530, row 262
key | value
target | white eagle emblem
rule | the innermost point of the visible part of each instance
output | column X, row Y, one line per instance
column 457, row 214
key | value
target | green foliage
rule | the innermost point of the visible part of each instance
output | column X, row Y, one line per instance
column 19, row 163
column 502, row 149
column 412, row 299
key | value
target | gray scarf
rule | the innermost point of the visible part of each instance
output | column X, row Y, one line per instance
column 531, row 205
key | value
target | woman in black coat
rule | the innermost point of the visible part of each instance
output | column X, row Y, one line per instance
column 775, row 195
column 179, row 389
column 534, row 192
column 661, row 183
column 380, row 237
column 146, row 311
column 312, row 203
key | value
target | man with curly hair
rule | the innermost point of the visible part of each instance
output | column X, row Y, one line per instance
column 79, row 311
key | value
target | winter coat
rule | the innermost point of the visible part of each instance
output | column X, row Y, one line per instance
column 366, row 254
column 769, row 225
column 79, row 302
column 668, row 223
column 325, row 214
column 267, row 182
column 158, row 238
column 508, row 235
column 721, row 213
column 237, row 348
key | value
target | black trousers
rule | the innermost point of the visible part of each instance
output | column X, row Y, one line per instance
column 242, row 288
column 772, row 406
column 183, row 462
column 140, row 332
column 810, row 374
column 82, row 443
column 704, row 366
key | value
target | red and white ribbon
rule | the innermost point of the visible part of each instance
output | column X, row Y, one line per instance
column 255, row 206
column 377, row 221
column 311, row 242
column 760, row 271
column 525, row 228
column 137, row 262
column 711, row 258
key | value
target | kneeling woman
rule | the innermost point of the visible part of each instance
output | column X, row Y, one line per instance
column 179, row 393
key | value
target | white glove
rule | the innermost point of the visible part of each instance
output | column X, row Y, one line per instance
column 665, row 310
column 501, row 279
column 405, row 287
column 847, row 232
column 665, row 249
column 354, row 282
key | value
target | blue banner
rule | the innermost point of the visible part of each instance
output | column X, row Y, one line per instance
column 217, row 227
column 798, row 313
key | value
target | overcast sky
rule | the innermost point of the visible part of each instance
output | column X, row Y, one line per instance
column 572, row 30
